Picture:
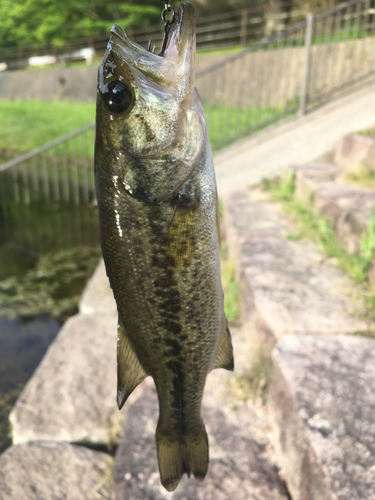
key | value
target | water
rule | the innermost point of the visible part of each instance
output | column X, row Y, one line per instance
column 22, row 346
column 49, row 246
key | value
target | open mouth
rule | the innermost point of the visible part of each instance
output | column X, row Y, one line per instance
column 181, row 32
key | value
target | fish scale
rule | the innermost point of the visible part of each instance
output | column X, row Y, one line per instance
column 160, row 235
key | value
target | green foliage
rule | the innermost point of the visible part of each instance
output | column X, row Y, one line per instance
column 225, row 122
column 29, row 124
column 369, row 131
column 7, row 401
column 210, row 7
column 30, row 22
column 363, row 176
column 231, row 286
column 368, row 245
column 281, row 190
column 259, row 372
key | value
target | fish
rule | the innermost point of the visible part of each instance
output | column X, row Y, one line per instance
column 160, row 236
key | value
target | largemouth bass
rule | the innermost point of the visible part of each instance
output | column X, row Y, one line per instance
column 159, row 226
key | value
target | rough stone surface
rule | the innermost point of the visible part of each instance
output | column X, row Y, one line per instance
column 288, row 287
column 72, row 394
column 309, row 176
column 240, row 455
column 354, row 151
column 349, row 207
column 51, row 471
column 98, row 297
column 322, row 407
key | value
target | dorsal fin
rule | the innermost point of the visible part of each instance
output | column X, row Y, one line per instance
column 224, row 357
column 130, row 372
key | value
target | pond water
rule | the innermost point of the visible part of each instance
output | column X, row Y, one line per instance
column 49, row 247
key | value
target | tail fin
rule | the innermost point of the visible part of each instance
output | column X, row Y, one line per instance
column 175, row 458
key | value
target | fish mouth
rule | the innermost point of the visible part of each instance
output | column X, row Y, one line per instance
column 179, row 51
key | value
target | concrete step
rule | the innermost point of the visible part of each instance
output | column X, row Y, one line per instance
column 354, row 151
column 322, row 407
column 287, row 286
column 50, row 470
column 349, row 207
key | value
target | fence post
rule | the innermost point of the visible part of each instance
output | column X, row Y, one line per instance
column 243, row 27
column 306, row 71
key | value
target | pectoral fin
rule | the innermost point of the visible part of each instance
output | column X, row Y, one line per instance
column 224, row 358
column 130, row 372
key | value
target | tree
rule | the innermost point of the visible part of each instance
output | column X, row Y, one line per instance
column 30, row 22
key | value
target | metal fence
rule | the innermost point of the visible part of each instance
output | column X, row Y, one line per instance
column 47, row 198
column 224, row 30
column 289, row 72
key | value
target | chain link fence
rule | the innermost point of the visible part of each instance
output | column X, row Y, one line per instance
column 289, row 72
column 47, row 197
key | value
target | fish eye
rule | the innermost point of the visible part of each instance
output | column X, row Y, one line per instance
column 118, row 97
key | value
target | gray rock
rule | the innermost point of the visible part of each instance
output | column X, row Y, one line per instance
column 51, row 471
column 316, row 170
column 288, row 286
column 354, row 151
column 240, row 467
column 72, row 394
column 322, row 407
column 309, row 176
column 98, row 297
column 349, row 208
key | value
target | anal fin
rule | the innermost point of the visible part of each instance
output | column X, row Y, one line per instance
column 130, row 372
column 224, row 357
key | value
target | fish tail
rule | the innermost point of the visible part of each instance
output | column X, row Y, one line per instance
column 177, row 457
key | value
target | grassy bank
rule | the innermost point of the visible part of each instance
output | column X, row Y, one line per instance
column 321, row 230
column 28, row 124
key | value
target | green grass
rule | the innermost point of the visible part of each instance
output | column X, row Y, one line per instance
column 225, row 51
column 226, row 122
column 321, row 230
column 29, row 124
column 369, row 131
column 363, row 176
column 230, row 286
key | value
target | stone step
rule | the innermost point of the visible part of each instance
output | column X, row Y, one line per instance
column 323, row 427
column 354, row 151
column 98, row 297
column 72, row 394
column 50, row 471
column 349, row 207
column 322, row 407
column 287, row 286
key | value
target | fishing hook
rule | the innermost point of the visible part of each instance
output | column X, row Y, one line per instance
column 168, row 8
